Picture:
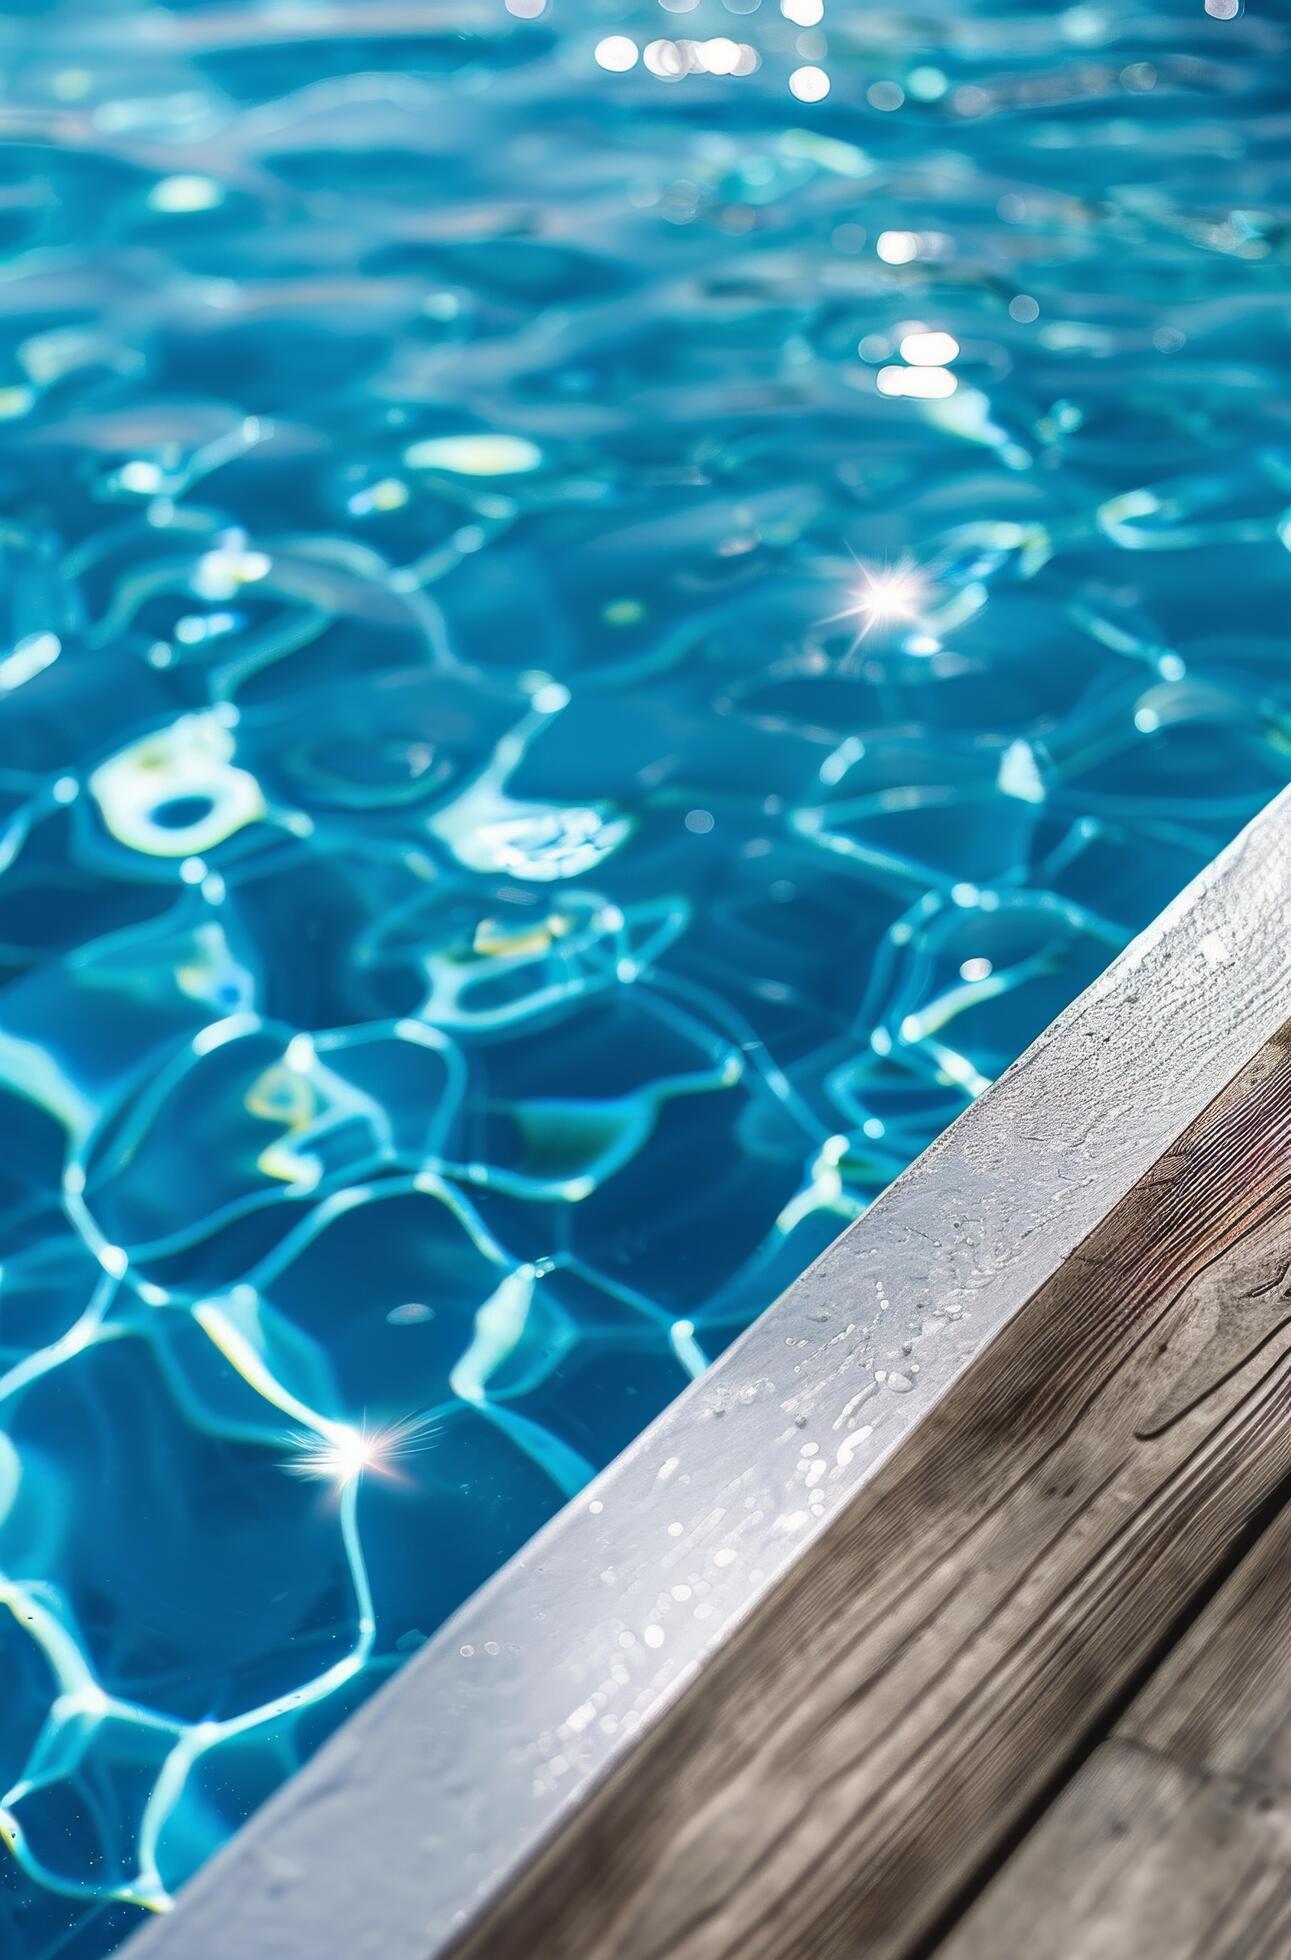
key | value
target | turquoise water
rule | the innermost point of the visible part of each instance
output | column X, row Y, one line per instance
column 592, row 638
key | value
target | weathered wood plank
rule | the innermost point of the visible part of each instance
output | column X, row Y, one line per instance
column 1221, row 1703
column 849, row 1760
column 1174, row 1840
column 1141, row 1859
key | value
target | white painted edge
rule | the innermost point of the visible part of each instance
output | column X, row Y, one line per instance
column 425, row 1803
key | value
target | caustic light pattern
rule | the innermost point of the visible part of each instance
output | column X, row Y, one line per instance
column 604, row 611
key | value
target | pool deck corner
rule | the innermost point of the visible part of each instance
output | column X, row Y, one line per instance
column 987, row 1517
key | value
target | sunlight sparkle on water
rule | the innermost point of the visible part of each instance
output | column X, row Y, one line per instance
column 885, row 598
column 340, row 1453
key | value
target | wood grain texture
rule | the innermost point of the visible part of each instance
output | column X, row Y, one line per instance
column 849, row 1760
column 1174, row 1840
column 1141, row 1859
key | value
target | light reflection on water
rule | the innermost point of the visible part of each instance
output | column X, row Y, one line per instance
column 605, row 610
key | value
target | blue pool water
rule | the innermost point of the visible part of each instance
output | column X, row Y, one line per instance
column 592, row 638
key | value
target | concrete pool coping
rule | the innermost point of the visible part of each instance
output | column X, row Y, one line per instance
column 433, row 1796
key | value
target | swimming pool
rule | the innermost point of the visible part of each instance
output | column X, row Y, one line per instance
column 605, row 611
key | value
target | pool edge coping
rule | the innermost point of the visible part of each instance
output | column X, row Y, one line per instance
column 415, row 1815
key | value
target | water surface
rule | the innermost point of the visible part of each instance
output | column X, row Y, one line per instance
column 604, row 610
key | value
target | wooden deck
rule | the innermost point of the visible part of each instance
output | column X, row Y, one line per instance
column 1030, row 1693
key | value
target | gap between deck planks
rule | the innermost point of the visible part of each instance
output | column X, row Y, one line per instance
column 855, row 1756
column 1173, row 1842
